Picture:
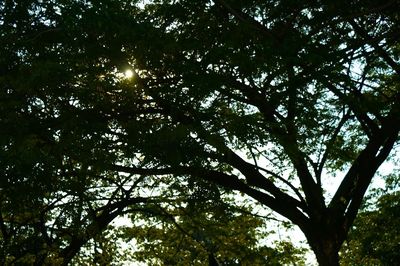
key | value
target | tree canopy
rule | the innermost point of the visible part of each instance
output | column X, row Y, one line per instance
column 270, row 99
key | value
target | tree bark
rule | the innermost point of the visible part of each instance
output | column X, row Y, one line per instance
column 325, row 244
column 327, row 254
column 325, row 236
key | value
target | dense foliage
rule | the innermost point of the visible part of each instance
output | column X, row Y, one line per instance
column 203, row 233
column 374, row 238
column 273, row 99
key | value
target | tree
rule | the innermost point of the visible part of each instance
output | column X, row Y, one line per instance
column 374, row 238
column 203, row 229
column 311, row 88
column 268, row 98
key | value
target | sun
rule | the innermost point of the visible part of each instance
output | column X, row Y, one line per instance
column 128, row 73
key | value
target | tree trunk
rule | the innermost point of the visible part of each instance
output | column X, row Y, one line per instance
column 325, row 234
column 326, row 247
column 327, row 254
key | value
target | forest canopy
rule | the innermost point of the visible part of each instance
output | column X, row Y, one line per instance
column 159, row 108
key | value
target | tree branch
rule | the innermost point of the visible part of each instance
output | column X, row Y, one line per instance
column 329, row 145
column 103, row 217
column 248, row 20
column 360, row 174
column 368, row 125
column 278, row 204
column 286, row 182
column 363, row 184
column 382, row 53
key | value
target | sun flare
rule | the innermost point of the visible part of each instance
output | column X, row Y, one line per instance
column 128, row 73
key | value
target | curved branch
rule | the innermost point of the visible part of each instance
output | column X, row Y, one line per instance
column 363, row 184
column 294, row 189
column 360, row 174
column 284, row 205
column 103, row 218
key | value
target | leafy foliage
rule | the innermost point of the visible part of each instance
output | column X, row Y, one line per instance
column 374, row 238
column 201, row 229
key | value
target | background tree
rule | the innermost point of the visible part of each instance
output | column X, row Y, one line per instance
column 374, row 238
column 268, row 98
column 202, row 228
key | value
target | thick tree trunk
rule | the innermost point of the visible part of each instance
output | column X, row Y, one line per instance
column 327, row 253
column 325, row 241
